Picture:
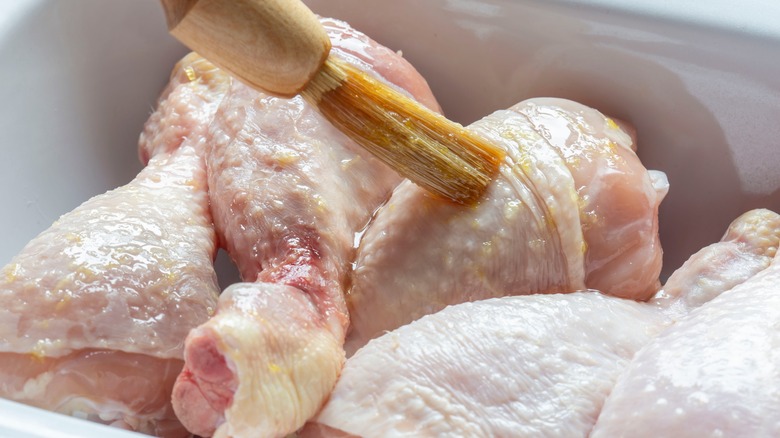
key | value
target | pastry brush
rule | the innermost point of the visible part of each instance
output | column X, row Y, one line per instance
column 280, row 47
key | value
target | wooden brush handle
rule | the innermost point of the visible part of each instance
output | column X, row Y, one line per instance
column 274, row 45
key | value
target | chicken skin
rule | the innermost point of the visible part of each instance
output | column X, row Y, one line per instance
column 535, row 365
column 95, row 310
column 714, row 373
column 288, row 194
column 572, row 208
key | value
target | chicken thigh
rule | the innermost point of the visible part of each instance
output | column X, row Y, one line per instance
column 94, row 311
column 538, row 365
column 572, row 208
column 715, row 373
column 530, row 365
column 288, row 193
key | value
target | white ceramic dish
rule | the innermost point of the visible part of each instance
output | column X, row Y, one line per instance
column 700, row 80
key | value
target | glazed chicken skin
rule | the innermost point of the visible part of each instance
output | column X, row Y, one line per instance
column 572, row 208
column 288, row 193
column 714, row 373
column 537, row 365
column 94, row 311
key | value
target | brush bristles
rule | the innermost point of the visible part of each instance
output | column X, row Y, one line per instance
column 435, row 153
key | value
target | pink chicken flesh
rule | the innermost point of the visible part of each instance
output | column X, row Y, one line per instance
column 94, row 311
column 288, row 193
column 714, row 373
column 540, row 365
column 572, row 208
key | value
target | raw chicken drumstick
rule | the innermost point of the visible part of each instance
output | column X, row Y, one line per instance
column 746, row 249
column 94, row 311
column 538, row 365
column 288, row 193
column 572, row 208
column 714, row 373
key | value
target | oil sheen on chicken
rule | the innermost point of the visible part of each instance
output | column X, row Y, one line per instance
column 94, row 311
column 572, row 208
column 537, row 365
column 288, row 192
